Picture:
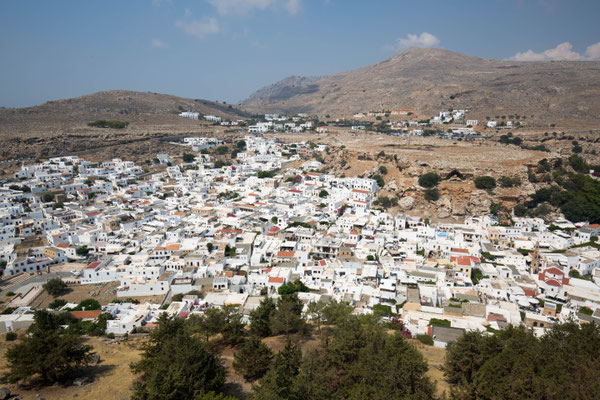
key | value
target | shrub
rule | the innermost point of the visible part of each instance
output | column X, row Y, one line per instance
column 188, row 158
column 507, row 181
column 100, row 123
column 10, row 336
column 429, row 180
column 425, row 339
column 432, row 194
column 485, row 182
column 57, row 303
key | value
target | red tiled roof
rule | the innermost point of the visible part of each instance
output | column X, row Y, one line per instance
column 86, row 314
column 285, row 254
column 93, row 265
column 275, row 279
column 457, row 250
column 553, row 282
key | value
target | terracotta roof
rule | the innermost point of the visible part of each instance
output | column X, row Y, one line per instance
column 275, row 279
column 174, row 247
column 553, row 282
column 86, row 314
column 285, row 254
column 62, row 245
column 554, row 271
column 93, row 265
column 457, row 250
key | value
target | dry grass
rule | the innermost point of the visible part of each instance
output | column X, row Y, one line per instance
column 435, row 358
column 104, row 293
column 112, row 378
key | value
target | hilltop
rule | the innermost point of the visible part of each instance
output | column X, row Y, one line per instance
column 566, row 93
column 62, row 125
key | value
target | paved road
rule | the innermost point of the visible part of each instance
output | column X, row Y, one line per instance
column 33, row 279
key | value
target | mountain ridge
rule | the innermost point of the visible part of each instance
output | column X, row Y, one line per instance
column 430, row 80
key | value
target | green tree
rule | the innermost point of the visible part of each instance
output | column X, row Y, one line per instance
column 88, row 305
column 379, row 180
column 82, row 251
column 278, row 383
column 429, row 180
column 432, row 194
column 323, row 193
column 176, row 365
column 336, row 313
column 188, row 158
column 54, row 286
column 48, row 351
column 253, row 359
column 57, row 303
column 485, row 182
column 292, row 287
column 288, row 318
column 315, row 312
column 260, row 319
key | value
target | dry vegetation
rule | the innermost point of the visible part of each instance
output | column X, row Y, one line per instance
column 112, row 378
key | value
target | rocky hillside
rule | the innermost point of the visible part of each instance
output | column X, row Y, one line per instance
column 122, row 105
column 430, row 80
column 61, row 126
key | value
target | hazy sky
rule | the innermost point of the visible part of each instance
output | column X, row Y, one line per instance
column 226, row 49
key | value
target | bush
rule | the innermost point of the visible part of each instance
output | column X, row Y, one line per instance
column 425, row 339
column 100, row 123
column 579, row 164
column 88, row 305
column 429, row 180
column 507, row 181
column 188, row 158
column 265, row 174
column 379, row 180
column 10, row 336
column 383, row 170
column 57, row 303
column 485, row 182
column 222, row 150
column 432, row 194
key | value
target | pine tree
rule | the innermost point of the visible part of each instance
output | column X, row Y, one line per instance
column 253, row 359
column 49, row 351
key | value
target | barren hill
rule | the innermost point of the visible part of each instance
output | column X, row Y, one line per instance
column 133, row 107
column 429, row 80
column 60, row 126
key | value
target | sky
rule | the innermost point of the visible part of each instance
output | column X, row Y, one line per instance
column 225, row 50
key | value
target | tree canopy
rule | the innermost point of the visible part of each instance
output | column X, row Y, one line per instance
column 49, row 351
column 515, row 364
column 176, row 365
